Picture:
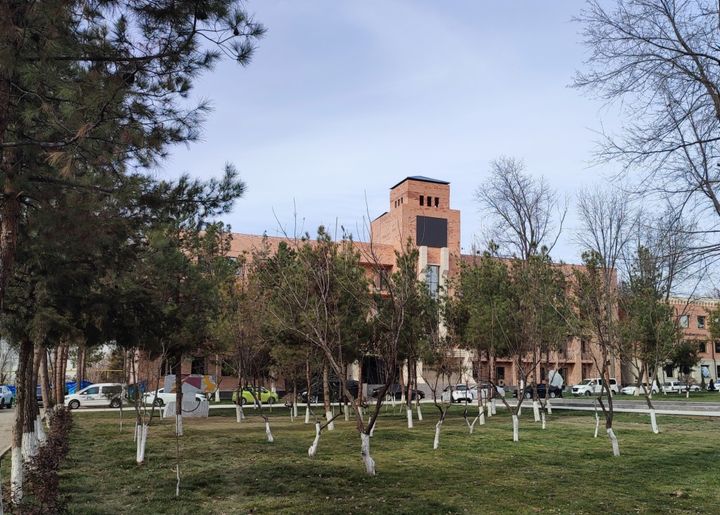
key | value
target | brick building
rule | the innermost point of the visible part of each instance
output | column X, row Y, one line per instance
column 419, row 210
column 694, row 320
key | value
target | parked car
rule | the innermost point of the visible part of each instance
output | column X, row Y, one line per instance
column 317, row 395
column 163, row 398
column 678, row 387
column 7, row 397
column 396, row 391
column 633, row 389
column 264, row 395
column 459, row 393
column 542, row 391
column 102, row 394
column 594, row 386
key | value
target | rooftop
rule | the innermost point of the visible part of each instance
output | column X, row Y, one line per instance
column 421, row 178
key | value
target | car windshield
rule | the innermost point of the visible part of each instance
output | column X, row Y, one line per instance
column 587, row 381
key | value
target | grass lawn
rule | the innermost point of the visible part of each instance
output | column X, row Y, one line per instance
column 231, row 468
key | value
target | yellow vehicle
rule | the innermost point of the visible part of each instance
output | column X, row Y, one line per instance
column 264, row 395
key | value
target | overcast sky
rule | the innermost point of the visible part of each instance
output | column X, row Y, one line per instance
column 343, row 99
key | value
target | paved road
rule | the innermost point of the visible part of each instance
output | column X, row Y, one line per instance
column 6, row 420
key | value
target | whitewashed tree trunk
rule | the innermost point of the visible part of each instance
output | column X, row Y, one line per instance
column 471, row 426
column 409, row 418
column 516, row 428
column 481, row 417
column 307, row 413
column 493, row 406
column 40, row 432
column 16, row 475
column 295, row 409
column 217, row 395
column 347, row 413
column 142, row 442
column 542, row 418
column 313, row 448
column 268, row 433
column 597, row 424
column 536, row 411
column 178, row 425
column 436, row 441
column 548, row 406
column 419, row 412
column 653, row 422
column 331, row 423
column 372, row 429
column 177, row 484
column 238, row 413
column 614, row 441
column 365, row 453
column 519, row 411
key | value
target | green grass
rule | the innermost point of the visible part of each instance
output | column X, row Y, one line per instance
column 230, row 468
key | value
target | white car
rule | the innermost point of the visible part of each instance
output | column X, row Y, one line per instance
column 102, row 394
column 678, row 387
column 7, row 399
column 632, row 389
column 594, row 386
column 163, row 398
column 459, row 393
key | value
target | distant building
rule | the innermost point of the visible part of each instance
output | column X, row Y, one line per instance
column 693, row 317
column 420, row 211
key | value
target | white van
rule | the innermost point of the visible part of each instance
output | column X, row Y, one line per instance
column 101, row 394
column 594, row 386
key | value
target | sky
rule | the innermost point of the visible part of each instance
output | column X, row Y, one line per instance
column 344, row 99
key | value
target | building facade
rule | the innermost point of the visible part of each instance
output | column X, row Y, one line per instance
column 693, row 317
column 420, row 213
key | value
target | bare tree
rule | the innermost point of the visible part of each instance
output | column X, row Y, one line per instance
column 659, row 60
column 8, row 359
column 607, row 220
column 526, row 212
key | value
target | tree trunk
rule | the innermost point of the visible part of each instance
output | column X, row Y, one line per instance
column 16, row 472
column 45, row 383
column 9, row 214
column 326, row 397
column 365, row 453
column 178, row 395
column 80, row 376
column 360, row 381
column 309, row 392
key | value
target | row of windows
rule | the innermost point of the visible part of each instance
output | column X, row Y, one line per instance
column 429, row 201
column 399, row 201
column 684, row 321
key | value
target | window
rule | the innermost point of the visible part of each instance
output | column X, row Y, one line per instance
column 198, row 366
column 583, row 346
column 701, row 322
column 92, row 391
column 701, row 346
column 684, row 321
column 422, row 200
column 717, row 346
column 431, row 232
column 668, row 370
column 717, row 372
column 500, row 373
column 437, row 202
column 432, row 278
